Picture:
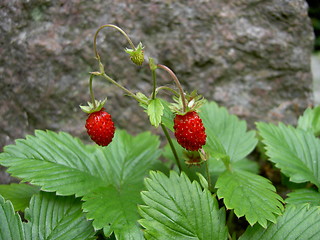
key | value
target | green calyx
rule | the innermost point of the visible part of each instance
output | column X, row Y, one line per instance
column 94, row 107
column 137, row 54
column 193, row 158
column 194, row 102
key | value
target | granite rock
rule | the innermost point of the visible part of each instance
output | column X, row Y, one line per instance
column 251, row 56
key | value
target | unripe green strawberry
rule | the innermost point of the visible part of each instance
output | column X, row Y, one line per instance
column 100, row 127
column 136, row 55
column 138, row 58
column 189, row 131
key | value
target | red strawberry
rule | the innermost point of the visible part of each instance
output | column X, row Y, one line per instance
column 189, row 131
column 100, row 127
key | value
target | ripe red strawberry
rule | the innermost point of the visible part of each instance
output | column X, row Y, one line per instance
column 100, row 127
column 189, row 131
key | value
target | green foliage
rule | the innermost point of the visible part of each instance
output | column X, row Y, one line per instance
column 110, row 180
column 48, row 217
column 168, row 116
column 178, row 209
column 295, row 151
column 11, row 226
column 250, row 195
column 61, row 163
column 310, row 120
column 229, row 143
column 55, row 217
column 18, row 194
column 226, row 134
column 155, row 111
column 304, row 196
column 297, row 222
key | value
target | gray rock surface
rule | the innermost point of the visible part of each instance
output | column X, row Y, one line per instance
column 252, row 56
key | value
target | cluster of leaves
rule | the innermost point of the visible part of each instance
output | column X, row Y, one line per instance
column 70, row 190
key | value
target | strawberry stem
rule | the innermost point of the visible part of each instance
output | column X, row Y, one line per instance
column 176, row 80
column 173, row 149
column 153, row 72
column 167, row 88
column 112, row 26
column 91, row 91
column 208, row 175
column 131, row 94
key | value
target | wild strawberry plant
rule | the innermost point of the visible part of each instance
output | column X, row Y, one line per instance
column 207, row 187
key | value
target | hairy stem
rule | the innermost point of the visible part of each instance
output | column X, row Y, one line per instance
column 168, row 89
column 112, row 26
column 91, row 92
column 176, row 80
column 131, row 94
column 173, row 149
column 153, row 72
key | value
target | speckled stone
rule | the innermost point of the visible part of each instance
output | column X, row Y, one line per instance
column 251, row 56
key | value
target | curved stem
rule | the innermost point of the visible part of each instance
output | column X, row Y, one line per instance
column 173, row 149
column 167, row 88
column 113, row 26
column 91, row 91
column 176, row 80
column 131, row 94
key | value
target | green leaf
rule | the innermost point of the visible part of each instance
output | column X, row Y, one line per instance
column 250, row 195
column 56, row 217
column 168, row 116
column 310, row 120
column 61, row 163
column 116, row 206
column 297, row 222
column 49, row 217
column 203, row 181
column 10, row 222
column 56, row 162
column 155, row 111
column 226, row 134
column 181, row 152
column 18, row 194
column 216, row 167
column 302, row 196
column 295, row 151
column 178, row 209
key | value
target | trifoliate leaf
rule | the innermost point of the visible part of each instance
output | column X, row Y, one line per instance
column 226, row 134
column 55, row 217
column 303, row 196
column 297, row 222
column 216, row 167
column 310, row 120
column 10, row 222
column 295, row 151
column 250, row 195
column 19, row 194
column 155, row 111
column 49, row 217
column 178, row 209
column 61, row 163
column 116, row 206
